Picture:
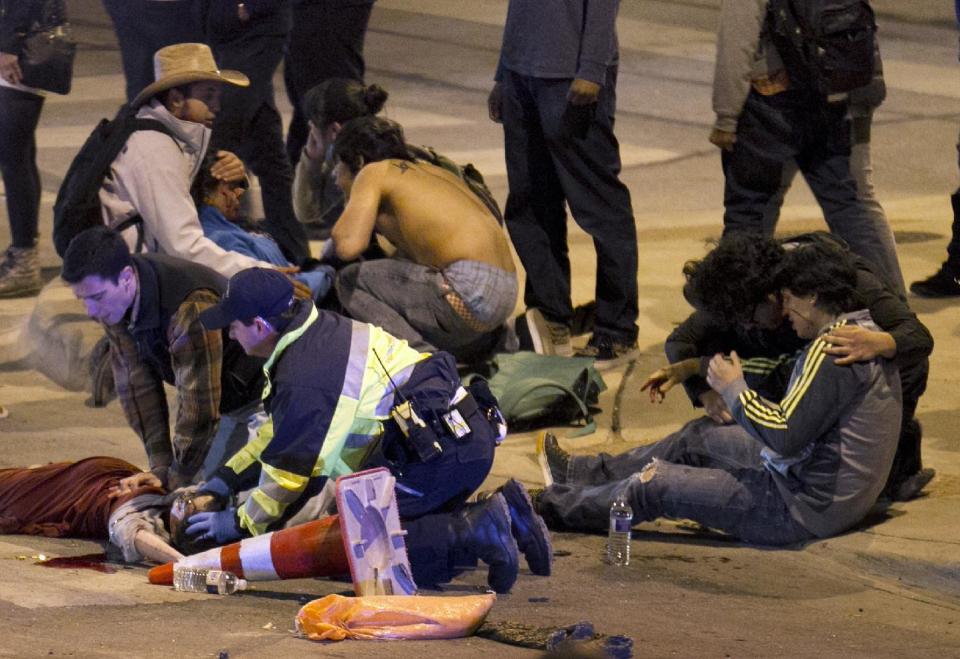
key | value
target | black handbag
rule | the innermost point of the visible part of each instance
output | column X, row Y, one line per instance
column 48, row 51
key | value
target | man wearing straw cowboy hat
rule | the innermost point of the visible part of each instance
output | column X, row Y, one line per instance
column 152, row 174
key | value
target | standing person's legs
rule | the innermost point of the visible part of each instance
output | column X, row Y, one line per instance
column 535, row 214
column 850, row 209
column 754, row 170
column 326, row 42
column 953, row 247
column 145, row 26
column 862, row 171
column 588, row 169
column 249, row 124
column 771, row 213
column 946, row 281
column 19, row 115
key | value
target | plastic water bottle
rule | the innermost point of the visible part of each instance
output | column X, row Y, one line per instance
column 203, row 580
column 621, row 523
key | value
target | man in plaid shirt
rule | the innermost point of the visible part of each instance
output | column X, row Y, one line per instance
column 149, row 306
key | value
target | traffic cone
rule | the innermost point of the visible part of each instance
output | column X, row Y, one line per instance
column 314, row 549
column 369, row 530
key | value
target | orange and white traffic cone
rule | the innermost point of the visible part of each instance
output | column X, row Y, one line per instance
column 369, row 529
column 314, row 549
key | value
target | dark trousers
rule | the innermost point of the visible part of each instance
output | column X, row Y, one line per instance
column 794, row 125
column 907, row 460
column 143, row 27
column 249, row 125
column 326, row 42
column 546, row 167
column 706, row 472
column 19, row 114
column 430, row 493
column 953, row 247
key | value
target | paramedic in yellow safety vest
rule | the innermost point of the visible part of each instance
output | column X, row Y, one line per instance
column 343, row 396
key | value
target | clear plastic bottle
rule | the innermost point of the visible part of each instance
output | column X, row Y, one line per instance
column 202, row 580
column 618, row 540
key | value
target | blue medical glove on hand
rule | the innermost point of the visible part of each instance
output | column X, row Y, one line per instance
column 217, row 487
column 221, row 526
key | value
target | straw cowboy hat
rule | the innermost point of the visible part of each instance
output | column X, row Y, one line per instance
column 182, row 64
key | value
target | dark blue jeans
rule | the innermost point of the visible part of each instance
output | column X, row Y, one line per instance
column 326, row 42
column 953, row 248
column 772, row 131
column 249, row 125
column 547, row 166
column 19, row 114
column 144, row 26
column 429, row 494
column 706, row 472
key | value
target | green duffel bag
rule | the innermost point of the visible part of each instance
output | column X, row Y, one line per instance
column 535, row 391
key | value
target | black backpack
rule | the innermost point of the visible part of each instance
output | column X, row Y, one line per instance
column 827, row 46
column 467, row 173
column 78, row 201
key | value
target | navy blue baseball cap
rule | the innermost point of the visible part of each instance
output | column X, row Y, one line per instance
column 250, row 293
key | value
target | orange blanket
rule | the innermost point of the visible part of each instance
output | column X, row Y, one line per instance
column 65, row 499
column 392, row 617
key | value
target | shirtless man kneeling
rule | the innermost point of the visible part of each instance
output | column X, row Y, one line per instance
column 452, row 281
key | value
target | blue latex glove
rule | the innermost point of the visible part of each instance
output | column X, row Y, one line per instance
column 217, row 487
column 220, row 526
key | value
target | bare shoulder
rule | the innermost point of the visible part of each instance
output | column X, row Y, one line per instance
column 373, row 173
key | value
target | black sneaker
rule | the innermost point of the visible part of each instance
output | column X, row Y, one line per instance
column 943, row 284
column 607, row 352
column 911, row 487
column 553, row 460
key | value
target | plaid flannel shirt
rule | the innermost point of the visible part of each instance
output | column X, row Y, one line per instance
column 196, row 362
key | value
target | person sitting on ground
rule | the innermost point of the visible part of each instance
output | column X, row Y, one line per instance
column 344, row 396
column 317, row 200
column 150, row 179
column 219, row 205
column 148, row 305
column 809, row 466
column 451, row 283
column 738, row 307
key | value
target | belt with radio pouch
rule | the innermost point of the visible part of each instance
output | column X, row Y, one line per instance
column 420, row 424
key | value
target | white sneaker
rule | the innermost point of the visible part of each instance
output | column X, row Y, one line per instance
column 548, row 337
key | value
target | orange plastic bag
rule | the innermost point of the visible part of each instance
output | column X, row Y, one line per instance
column 385, row 617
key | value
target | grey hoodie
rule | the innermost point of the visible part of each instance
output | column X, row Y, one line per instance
column 151, row 177
column 830, row 442
column 743, row 54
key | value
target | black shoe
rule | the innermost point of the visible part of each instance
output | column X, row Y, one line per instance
column 528, row 528
column 554, row 461
column 482, row 530
column 608, row 352
column 911, row 486
column 943, row 284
